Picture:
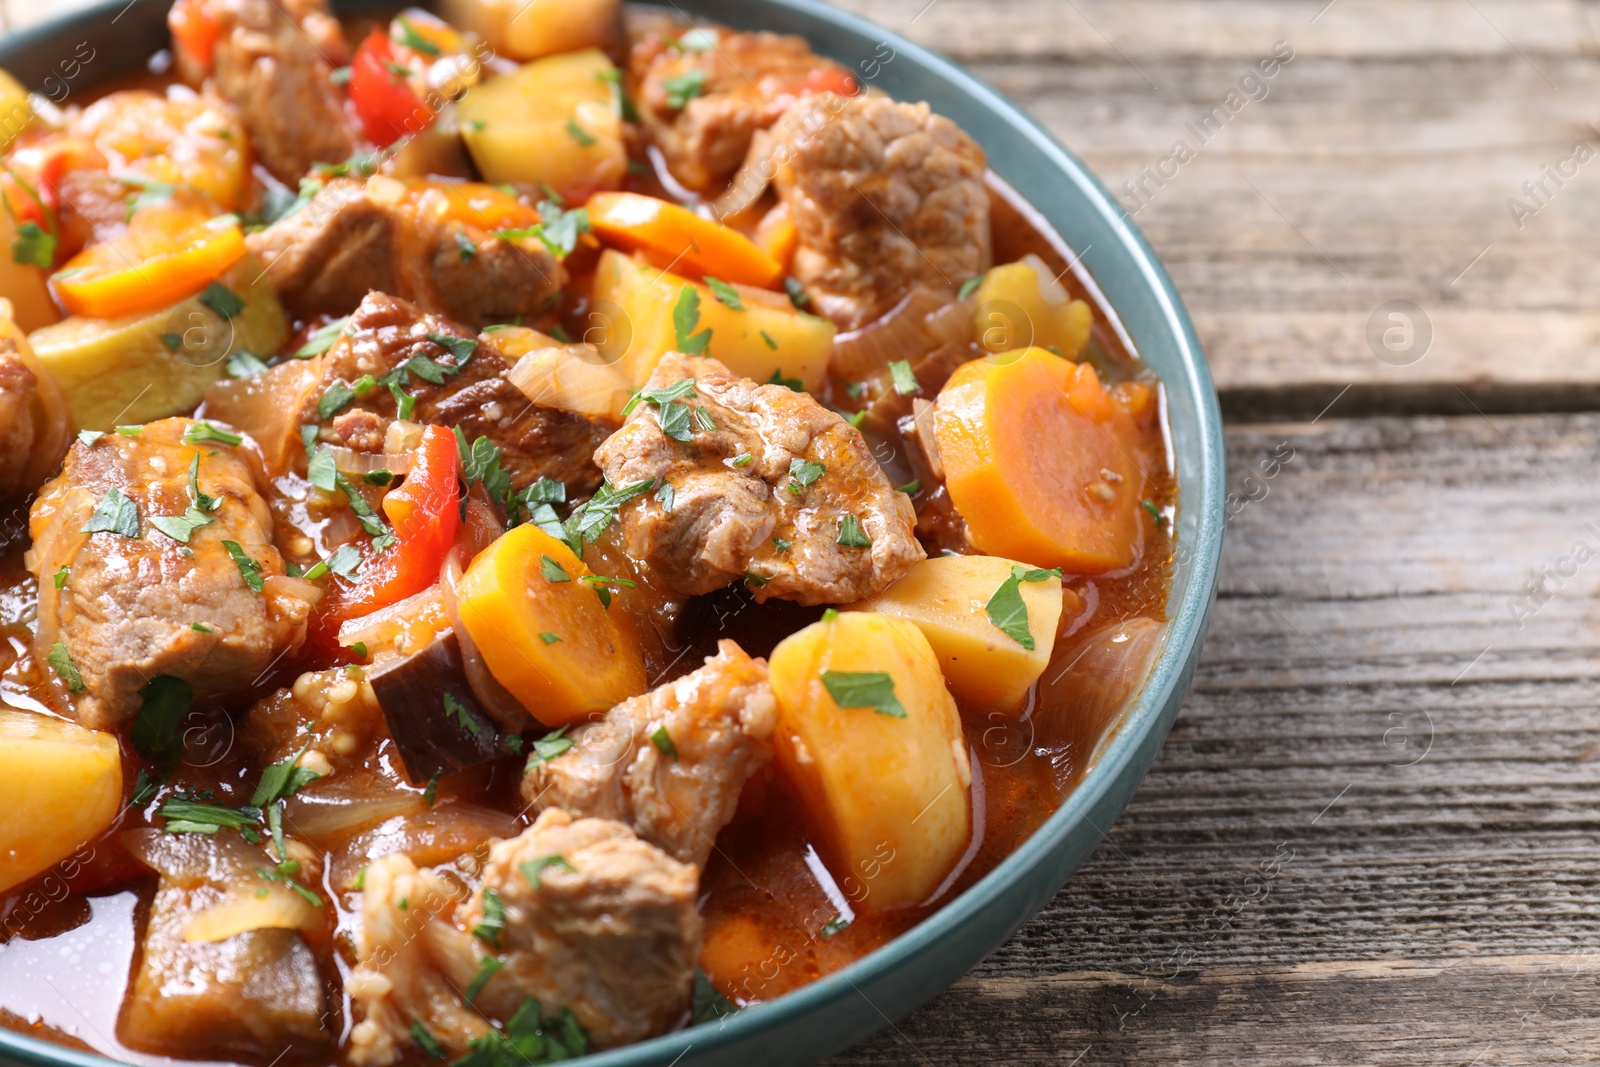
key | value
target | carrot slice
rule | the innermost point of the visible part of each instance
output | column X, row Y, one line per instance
column 1042, row 461
column 674, row 238
column 544, row 632
column 165, row 257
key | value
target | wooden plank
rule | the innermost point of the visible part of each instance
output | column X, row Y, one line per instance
column 1371, row 837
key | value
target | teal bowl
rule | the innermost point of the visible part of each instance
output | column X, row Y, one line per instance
column 843, row 1008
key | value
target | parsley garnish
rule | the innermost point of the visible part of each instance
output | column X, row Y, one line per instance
column 222, row 300
column 382, row 536
column 409, row 37
column 321, row 339
column 180, row 527
column 905, row 382
column 675, row 421
column 454, row 709
column 970, row 286
column 549, row 746
column 911, row 488
column 494, row 919
column 803, row 472
column 1006, row 608
column 60, row 661
column 115, row 514
column 549, row 638
column 486, row 970
column 33, row 245
column 797, row 292
column 335, row 397
column 708, row 1004
column 249, row 569
column 282, row 781
column 321, row 471
column 684, row 88
column 864, row 689
column 462, row 348
column 663, row 742
column 481, row 462
column 186, row 816
column 851, row 535
column 777, row 378
column 89, row 437
column 425, row 1041
column 665, row 495
column 588, row 521
column 154, row 734
column 833, row 926
column 584, row 138
column 685, row 317
column 553, row 572
column 243, row 364
column 725, row 294
column 464, row 245
column 202, row 431
column 61, row 576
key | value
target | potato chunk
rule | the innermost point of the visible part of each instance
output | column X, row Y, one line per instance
column 947, row 597
column 528, row 29
column 872, row 739
column 1021, row 304
column 149, row 365
column 765, row 340
column 551, row 121
column 60, row 786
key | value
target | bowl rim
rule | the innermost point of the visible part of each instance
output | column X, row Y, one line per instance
column 1187, row 618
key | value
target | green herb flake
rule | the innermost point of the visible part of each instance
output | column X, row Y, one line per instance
column 675, row 421
column 805, row 471
column 33, row 246
column 61, row 577
column 243, row 364
column 549, row 747
column 426, row 1042
column 685, row 317
column 553, row 572
column 851, row 535
column 493, row 922
column 833, row 926
column 89, row 437
column 487, row 968
column 911, row 488
column 379, row 477
column 165, row 702
column 454, row 709
column 797, row 292
column 430, row 792
column 665, row 495
column 1155, row 512
column 321, row 470
column 743, row 459
column 534, row 869
column 583, row 137
column 181, row 527
column 407, row 35
column 684, row 88
column 702, row 417
column 970, row 286
column 663, row 742
column 249, row 569
column 222, row 300
column 864, row 689
column 202, row 431
column 462, row 348
column 60, row 661
column 1006, row 608
column 726, row 294
column 464, row 245
column 905, row 382
column 114, row 514
column 173, row 341
column 829, row 614
column 322, row 338
column 708, row 1005
column 783, row 546
column 549, row 638
column 282, row 780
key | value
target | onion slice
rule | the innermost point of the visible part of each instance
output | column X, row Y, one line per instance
column 495, row 698
column 360, row 464
column 571, row 378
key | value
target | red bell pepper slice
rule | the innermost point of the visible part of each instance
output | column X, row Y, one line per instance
column 384, row 103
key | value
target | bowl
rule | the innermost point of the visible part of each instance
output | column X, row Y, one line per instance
column 847, row 1006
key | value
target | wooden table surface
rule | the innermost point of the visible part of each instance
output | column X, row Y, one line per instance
column 1372, row 835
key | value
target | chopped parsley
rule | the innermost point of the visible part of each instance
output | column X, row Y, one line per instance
column 660, row 397
column 703, row 418
column 172, row 341
column 154, row 734
column 89, row 437
column 114, row 514
column 675, row 421
column 243, row 364
column 534, row 868
column 430, row 793
column 864, row 689
column 33, row 245
column 725, row 294
column 911, row 488
column 549, row 747
column 321, row 470
column 783, row 546
column 282, row 781
column 60, row 661
column 584, row 138
column 180, row 527
column 970, row 286
column 833, row 926
column 61, row 576
column 222, row 300
column 600, row 584
column 1006, row 608
column 851, row 535
column 663, row 742
column 201, row 628
column 684, row 88
column 829, row 614
column 619, row 96
column 379, row 477
column 202, row 431
column 454, row 709
column 425, row 1041
column 321, row 339
column 1155, row 512
column 464, row 245
column 708, row 1004
column 743, row 459
column 494, row 919
column 408, row 36
column 685, row 317
column 187, row 816
column 905, row 382
column 776, row 379
column 249, row 569
column 665, row 495
column 553, row 572
column 382, row 536
column 549, row 638
column 588, row 521
column 481, row 462
column 487, row 968
column 797, row 292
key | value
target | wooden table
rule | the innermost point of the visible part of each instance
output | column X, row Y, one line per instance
column 1372, row 835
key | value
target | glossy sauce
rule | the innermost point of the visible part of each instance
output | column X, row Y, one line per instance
column 777, row 916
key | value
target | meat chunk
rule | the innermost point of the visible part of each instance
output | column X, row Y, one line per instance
column 478, row 396
column 275, row 63
column 17, row 385
column 354, row 237
column 129, row 608
column 717, row 719
column 738, row 85
column 783, row 492
column 885, row 195
column 595, row 922
column 256, row 993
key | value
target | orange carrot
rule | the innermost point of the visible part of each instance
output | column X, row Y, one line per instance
column 166, row 255
column 1043, row 462
column 544, row 632
column 674, row 238
column 777, row 235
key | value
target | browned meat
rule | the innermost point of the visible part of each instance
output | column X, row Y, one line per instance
column 718, row 719
column 747, row 498
column 324, row 258
column 130, row 608
column 275, row 62
column 749, row 80
column 595, row 921
column 535, row 441
column 17, row 430
column 200, row 991
column 885, row 195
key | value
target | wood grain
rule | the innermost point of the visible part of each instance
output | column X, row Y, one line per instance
column 1371, row 837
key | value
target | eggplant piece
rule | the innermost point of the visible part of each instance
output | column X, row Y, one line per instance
column 438, row 724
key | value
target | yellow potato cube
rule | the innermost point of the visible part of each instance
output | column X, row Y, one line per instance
column 946, row 597
column 16, row 111
column 872, row 740
column 550, row 121
column 23, row 283
column 1021, row 305
column 153, row 364
column 60, row 786
column 768, row 339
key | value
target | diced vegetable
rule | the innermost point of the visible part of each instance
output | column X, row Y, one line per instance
column 164, row 147
column 768, row 337
column 1040, row 460
column 529, row 29
column 1081, row 703
column 960, row 603
column 778, row 236
column 1021, row 304
column 21, row 280
column 551, row 121
column 165, row 256
column 435, row 150
column 872, row 739
column 60, row 786
column 195, row 30
column 569, row 377
column 15, row 111
column 435, row 720
column 528, row 583
column 382, row 98
column 147, row 366
column 672, row 237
